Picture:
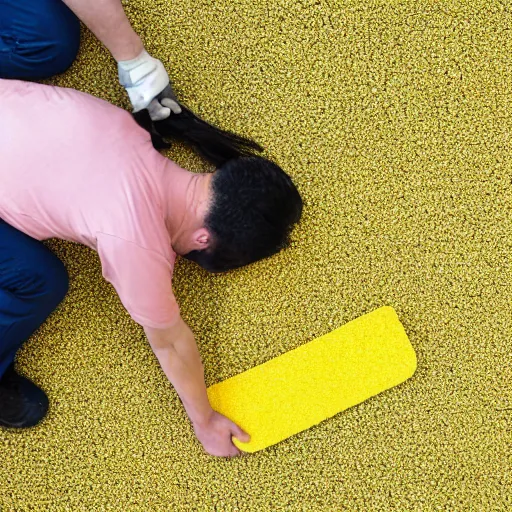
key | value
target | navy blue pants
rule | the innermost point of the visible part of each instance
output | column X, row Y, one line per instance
column 38, row 39
column 33, row 281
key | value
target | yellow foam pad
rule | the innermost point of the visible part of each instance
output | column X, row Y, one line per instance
column 305, row 386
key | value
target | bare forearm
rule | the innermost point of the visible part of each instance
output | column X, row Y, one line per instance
column 176, row 350
column 107, row 20
column 180, row 360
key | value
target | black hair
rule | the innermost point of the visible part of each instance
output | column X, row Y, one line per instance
column 215, row 145
column 255, row 203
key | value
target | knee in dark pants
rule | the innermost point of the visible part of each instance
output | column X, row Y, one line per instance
column 43, row 282
column 66, row 43
column 33, row 281
column 62, row 43
column 38, row 38
column 54, row 281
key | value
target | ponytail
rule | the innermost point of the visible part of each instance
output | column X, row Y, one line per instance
column 215, row 145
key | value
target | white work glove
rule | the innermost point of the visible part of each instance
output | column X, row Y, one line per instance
column 147, row 84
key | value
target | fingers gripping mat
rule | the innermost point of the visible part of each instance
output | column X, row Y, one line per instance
column 305, row 386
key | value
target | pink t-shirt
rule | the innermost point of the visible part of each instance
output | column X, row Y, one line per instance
column 78, row 168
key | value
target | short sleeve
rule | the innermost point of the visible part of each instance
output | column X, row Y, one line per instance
column 142, row 279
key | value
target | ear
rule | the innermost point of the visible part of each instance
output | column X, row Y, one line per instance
column 201, row 239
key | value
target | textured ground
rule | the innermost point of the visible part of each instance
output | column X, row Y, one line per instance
column 394, row 120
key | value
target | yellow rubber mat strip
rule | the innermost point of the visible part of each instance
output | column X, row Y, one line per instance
column 319, row 379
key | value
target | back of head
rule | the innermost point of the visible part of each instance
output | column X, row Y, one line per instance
column 254, row 208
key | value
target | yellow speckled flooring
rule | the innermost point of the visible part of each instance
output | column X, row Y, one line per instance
column 394, row 119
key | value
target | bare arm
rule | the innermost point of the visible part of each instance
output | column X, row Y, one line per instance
column 107, row 20
column 177, row 353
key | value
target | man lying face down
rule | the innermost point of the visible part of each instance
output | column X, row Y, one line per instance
column 90, row 174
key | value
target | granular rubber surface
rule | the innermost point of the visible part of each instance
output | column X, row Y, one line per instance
column 394, row 120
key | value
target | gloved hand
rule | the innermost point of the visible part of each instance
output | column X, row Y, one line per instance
column 147, row 84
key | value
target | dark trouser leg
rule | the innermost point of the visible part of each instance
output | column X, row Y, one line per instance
column 38, row 38
column 33, row 281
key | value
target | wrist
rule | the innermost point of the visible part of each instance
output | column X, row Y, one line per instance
column 201, row 420
column 130, row 50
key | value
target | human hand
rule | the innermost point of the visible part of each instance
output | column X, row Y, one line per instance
column 215, row 435
column 147, row 84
